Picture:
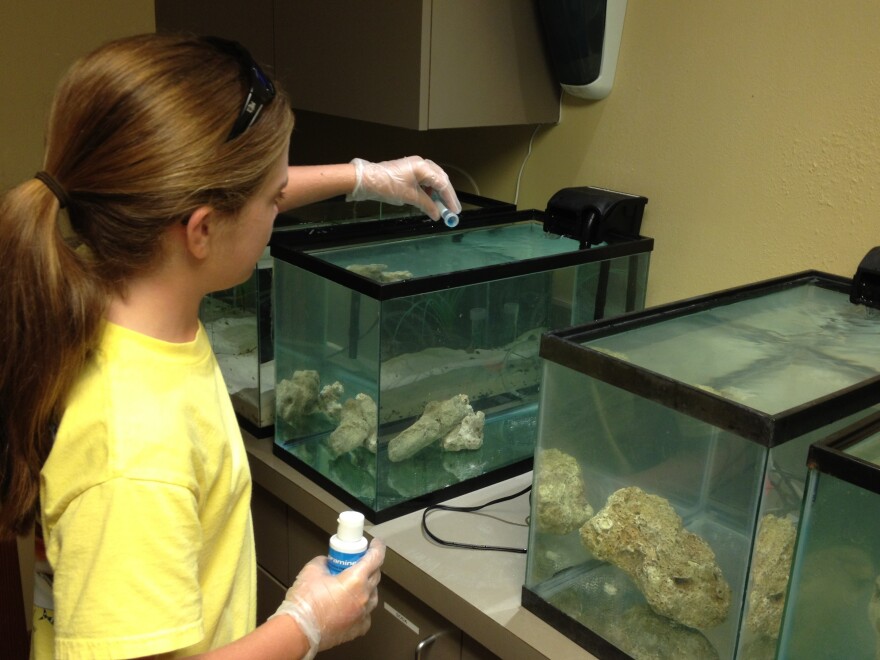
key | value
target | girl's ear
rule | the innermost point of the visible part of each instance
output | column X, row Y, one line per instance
column 199, row 229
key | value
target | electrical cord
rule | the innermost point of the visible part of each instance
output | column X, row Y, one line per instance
column 522, row 166
column 470, row 509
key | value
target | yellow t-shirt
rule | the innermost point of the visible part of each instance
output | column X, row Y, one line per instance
column 145, row 503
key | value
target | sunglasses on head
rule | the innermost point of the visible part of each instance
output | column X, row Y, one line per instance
column 261, row 91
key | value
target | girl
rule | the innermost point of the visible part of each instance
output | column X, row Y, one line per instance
column 165, row 166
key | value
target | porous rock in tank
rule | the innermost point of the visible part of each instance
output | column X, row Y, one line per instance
column 561, row 503
column 357, row 426
column 772, row 565
column 674, row 569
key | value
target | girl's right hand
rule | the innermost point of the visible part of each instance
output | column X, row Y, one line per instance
column 332, row 609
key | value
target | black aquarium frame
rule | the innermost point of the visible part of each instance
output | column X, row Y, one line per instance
column 294, row 246
column 565, row 347
column 829, row 456
column 571, row 628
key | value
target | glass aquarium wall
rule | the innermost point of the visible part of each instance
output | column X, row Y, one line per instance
column 833, row 604
column 671, row 464
column 407, row 366
column 239, row 320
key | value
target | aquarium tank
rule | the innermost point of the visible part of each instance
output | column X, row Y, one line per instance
column 833, row 604
column 407, row 365
column 238, row 321
column 671, row 463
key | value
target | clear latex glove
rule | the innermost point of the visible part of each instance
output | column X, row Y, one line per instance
column 409, row 180
column 332, row 609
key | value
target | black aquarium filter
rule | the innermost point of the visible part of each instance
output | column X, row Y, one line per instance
column 590, row 215
column 866, row 282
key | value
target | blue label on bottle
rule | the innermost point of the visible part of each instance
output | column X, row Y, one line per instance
column 339, row 561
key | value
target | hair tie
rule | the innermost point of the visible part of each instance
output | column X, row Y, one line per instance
column 56, row 188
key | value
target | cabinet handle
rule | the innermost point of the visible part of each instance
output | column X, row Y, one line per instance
column 425, row 643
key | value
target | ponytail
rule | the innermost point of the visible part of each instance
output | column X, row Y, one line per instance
column 53, row 308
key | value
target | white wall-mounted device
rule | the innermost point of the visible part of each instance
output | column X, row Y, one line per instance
column 583, row 41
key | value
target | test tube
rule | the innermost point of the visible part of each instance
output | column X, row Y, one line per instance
column 449, row 218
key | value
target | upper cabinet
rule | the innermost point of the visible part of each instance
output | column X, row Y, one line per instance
column 419, row 64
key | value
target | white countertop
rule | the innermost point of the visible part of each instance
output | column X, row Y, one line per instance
column 491, row 580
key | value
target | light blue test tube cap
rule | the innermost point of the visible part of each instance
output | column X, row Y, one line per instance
column 450, row 219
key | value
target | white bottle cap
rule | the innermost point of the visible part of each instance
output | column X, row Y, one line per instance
column 351, row 526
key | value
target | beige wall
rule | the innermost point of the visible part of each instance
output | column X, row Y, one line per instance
column 38, row 41
column 752, row 127
column 749, row 125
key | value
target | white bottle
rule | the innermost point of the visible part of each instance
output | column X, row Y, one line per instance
column 348, row 544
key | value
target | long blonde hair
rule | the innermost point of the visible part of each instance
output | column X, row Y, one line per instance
column 137, row 139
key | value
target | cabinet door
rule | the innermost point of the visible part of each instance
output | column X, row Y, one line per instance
column 356, row 59
column 417, row 64
column 305, row 541
column 402, row 628
column 473, row 650
column 270, row 594
column 488, row 66
column 270, row 534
